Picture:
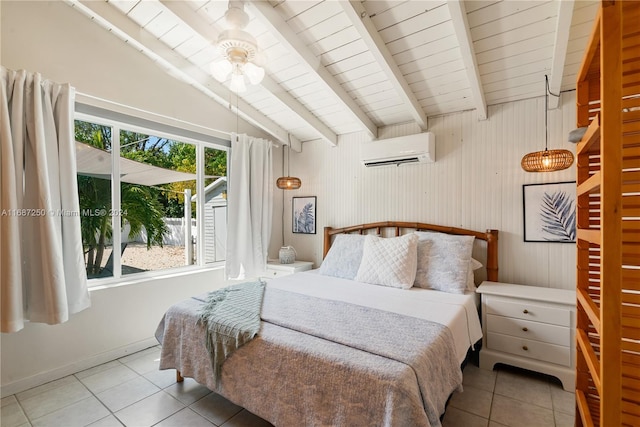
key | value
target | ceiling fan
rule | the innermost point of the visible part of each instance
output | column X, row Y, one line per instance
column 240, row 54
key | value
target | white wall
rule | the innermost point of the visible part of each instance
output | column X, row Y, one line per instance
column 475, row 183
column 120, row 320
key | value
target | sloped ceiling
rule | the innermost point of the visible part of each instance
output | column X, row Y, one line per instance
column 336, row 67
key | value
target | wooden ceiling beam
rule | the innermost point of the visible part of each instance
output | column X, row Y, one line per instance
column 292, row 42
column 369, row 33
column 563, row 29
column 128, row 31
column 461, row 28
column 191, row 18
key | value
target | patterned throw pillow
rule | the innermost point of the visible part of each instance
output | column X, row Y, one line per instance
column 443, row 261
column 389, row 261
column 343, row 259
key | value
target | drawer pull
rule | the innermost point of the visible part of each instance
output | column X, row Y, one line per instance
column 525, row 311
column 525, row 348
column 525, row 329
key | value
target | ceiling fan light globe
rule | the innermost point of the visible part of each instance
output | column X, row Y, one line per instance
column 254, row 73
column 221, row 69
column 237, row 83
column 260, row 59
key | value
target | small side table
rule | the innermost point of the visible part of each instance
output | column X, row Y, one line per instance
column 529, row 327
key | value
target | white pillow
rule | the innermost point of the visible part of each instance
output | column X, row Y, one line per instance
column 344, row 256
column 389, row 261
column 474, row 264
column 443, row 261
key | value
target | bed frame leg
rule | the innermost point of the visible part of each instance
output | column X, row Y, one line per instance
column 179, row 377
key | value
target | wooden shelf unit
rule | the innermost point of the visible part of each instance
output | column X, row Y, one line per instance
column 608, row 191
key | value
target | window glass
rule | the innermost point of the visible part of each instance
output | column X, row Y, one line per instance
column 156, row 211
column 215, row 205
column 93, row 156
column 157, row 193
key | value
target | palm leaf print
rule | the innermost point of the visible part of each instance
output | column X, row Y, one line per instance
column 305, row 219
column 558, row 215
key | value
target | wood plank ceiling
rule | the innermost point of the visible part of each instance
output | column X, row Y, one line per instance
column 336, row 67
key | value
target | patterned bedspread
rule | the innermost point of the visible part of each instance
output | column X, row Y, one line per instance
column 318, row 362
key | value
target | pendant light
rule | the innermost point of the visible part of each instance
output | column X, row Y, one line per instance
column 547, row 160
column 288, row 182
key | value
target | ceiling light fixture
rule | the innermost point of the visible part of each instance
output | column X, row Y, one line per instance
column 239, row 50
column 547, row 160
column 288, row 182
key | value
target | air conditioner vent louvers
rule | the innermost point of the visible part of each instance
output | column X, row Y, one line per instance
column 414, row 149
column 392, row 162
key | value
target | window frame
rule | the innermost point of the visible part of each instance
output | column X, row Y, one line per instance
column 132, row 123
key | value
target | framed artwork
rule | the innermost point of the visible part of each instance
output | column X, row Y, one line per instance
column 304, row 215
column 550, row 212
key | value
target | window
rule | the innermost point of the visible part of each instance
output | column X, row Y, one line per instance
column 154, row 203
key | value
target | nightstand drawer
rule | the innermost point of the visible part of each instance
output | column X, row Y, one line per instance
column 527, row 329
column 271, row 273
column 528, row 348
column 521, row 309
column 275, row 269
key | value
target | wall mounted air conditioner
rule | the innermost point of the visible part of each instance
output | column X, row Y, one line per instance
column 418, row 148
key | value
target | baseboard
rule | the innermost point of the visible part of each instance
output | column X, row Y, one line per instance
column 72, row 368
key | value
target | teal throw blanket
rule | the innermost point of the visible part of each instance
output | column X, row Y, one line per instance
column 231, row 317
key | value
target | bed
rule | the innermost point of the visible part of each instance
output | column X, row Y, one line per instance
column 337, row 350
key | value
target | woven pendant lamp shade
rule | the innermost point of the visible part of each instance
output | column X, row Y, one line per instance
column 547, row 161
column 288, row 183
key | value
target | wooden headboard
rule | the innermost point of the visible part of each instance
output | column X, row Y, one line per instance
column 490, row 236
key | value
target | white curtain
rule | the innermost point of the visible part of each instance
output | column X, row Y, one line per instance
column 42, row 271
column 250, row 206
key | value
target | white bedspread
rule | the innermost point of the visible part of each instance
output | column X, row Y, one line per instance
column 457, row 312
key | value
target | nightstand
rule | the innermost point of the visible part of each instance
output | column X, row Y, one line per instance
column 529, row 327
column 275, row 269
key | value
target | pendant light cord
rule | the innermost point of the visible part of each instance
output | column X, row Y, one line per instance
column 236, row 114
column 288, row 174
column 546, row 114
column 289, row 155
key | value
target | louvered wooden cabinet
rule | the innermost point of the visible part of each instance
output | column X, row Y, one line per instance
column 608, row 190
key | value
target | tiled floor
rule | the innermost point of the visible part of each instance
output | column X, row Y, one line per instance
column 509, row 397
column 132, row 391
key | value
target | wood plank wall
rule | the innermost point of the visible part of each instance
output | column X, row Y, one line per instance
column 476, row 182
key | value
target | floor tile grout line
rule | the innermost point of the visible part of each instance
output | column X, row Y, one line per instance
column 491, row 404
column 168, row 416
column 112, row 413
column 22, row 409
column 137, row 401
column 185, row 406
column 547, row 381
column 30, row 419
column 100, row 400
